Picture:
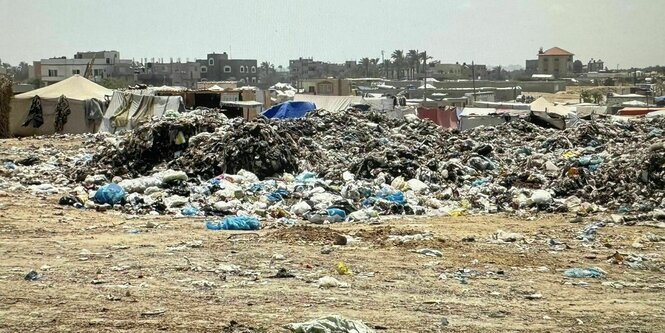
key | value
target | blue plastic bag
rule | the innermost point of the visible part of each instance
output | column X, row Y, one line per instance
column 306, row 177
column 396, row 197
column 336, row 215
column 278, row 195
column 109, row 194
column 189, row 211
column 235, row 223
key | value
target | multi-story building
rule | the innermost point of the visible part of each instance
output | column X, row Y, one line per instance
column 219, row 67
column 555, row 61
column 308, row 68
column 105, row 64
column 531, row 67
column 183, row 74
column 595, row 65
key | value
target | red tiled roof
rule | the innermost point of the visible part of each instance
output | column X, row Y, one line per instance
column 556, row 51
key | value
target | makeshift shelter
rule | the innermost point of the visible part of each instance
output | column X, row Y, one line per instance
column 330, row 103
column 127, row 110
column 85, row 101
column 445, row 117
column 215, row 88
column 289, row 110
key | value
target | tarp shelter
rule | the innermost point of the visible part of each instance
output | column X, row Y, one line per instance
column 127, row 110
column 474, row 117
column 249, row 109
column 330, row 103
column 215, row 88
column 445, row 117
column 637, row 111
column 289, row 110
column 76, row 89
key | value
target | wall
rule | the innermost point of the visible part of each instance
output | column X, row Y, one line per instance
column 559, row 66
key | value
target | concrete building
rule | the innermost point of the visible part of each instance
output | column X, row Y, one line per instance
column 180, row 74
column 531, row 67
column 105, row 64
column 555, row 61
column 308, row 68
column 327, row 87
column 219, row 67
column 446, row 71
column 595, row 65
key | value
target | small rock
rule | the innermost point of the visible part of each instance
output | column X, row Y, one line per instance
column 546, row 317
column 278, row 256
column 32, row 276
column 327, row 249
column 534, row 296
column 444, row 321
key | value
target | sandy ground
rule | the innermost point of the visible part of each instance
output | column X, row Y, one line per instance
column 572, row 93
column 110, row 272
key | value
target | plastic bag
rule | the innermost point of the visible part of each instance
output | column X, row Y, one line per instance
column 235, row 223
column 109, row 194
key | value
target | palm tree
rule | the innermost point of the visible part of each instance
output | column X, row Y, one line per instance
column 424, row 57
column 365, row 62
column 375, row 64
column 413, row 59
column 398, row 62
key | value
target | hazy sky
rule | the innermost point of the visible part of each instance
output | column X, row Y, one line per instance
column 621, row 32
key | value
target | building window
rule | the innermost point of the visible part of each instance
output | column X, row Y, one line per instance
column 242, row 69
column 52, row 72
column 253, row 79
column 253, row 69
column 98, row 72
column 227, row 69
column 211, row 62
column 204, row 69
column 76, row 71
column 108, row 61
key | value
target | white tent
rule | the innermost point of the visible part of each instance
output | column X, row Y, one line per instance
column 215, row 88
column 427, row 86
column 330, row 103
column 127, row 110
column 76, row 89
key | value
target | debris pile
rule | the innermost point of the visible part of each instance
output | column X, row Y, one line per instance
column 331, row 167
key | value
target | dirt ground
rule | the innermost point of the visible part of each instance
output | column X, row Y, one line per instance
column 110, row 272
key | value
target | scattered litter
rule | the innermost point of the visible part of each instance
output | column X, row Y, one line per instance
column 593, row 272
column 331, row 282
column 330, row 324
column 429, row 252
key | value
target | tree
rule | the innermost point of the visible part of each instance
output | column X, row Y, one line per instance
column 424, row 57
column 22, row 72
column 267, row 74
column 398, row 62
column 578, row 66
column 115, row 83
column 365, row 63
column 413, row 60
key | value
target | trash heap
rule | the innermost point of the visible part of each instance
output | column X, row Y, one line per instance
column 331, row 167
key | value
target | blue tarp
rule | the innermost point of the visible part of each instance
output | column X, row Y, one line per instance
column 660, row 99
column 289, row 110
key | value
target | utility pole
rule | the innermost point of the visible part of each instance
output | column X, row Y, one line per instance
column 473, row 79
column 383, row 60
column 425, row 78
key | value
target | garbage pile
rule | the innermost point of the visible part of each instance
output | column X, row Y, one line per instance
column 331, row 167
